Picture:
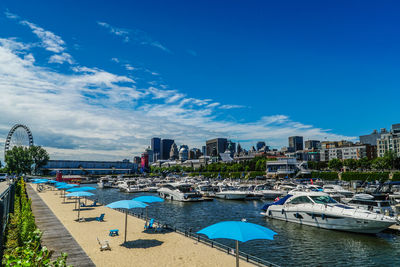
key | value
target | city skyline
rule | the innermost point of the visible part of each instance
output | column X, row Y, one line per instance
column 98, row 85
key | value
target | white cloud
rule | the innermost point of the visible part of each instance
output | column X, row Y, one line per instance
column 231, row 106
column 116, row 31
column 61, row 58
column 50, row 41
column 135, row 35
column 95, row 114
column 129, row 67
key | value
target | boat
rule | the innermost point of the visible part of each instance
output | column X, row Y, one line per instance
column 229, row 192
column 379, row 203
column 206, row 190
column 180, row 192
column 105, row 182
column 337, row 189
column 268, row 192
column 318, row 209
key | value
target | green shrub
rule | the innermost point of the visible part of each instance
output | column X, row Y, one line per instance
column 365, row 176
column 396, row 176
column 325, row 175
column 23, row 246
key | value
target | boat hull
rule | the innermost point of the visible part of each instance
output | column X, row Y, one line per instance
column 330, row 221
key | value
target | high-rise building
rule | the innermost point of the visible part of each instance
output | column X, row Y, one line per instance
column 174, row 153
column 312, row 144
column 295, row 143
column 216, row 146
column 389, row 141
column 370, row 139
column 165, row 148
column 156, row 147
column 204, row 150
column 150, row 154
column 259, row 145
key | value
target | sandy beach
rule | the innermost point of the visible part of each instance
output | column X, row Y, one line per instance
column 143, row 249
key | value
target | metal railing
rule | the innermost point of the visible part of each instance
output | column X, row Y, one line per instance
column 6, row 207
column 202, row 239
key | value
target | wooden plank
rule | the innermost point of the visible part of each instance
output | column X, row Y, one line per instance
column 55, row 236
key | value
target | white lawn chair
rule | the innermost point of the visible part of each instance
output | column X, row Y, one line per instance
column 104, row 246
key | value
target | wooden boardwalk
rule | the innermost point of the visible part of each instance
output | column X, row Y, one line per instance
column 55, row 236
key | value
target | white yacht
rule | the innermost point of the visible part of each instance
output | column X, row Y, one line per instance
column 378, row 204
column 320, row 210
column 128, row 186
column 229, row 192
column 105, row 182
column 206, row 190
column 268, row 192
column 180, row 192
column 337, row 189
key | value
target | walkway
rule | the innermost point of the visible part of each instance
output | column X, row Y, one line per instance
column 55, row 236
column 3, row 187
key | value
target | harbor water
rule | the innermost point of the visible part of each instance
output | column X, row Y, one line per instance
column 295, row 245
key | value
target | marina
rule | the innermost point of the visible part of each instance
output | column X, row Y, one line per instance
column 294, row 245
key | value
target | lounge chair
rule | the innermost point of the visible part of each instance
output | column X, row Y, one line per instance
column 101, row 218
column 104, row 246
column 92, row 205
column 150, row 226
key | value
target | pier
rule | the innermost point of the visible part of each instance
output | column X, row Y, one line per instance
column 55, row 236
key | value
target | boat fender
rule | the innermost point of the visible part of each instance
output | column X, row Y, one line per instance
column 283, row 211
column 313, row 216
column 323, row 216
column 269, row 213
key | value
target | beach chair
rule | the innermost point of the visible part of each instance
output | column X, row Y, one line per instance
column 104, row 246
column 114, row 232
column 150, row 226
column 101, row 218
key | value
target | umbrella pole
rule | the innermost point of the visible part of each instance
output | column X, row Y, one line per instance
column 126, row 220
column 146, row 215
column 237, row 253
column 79, row 208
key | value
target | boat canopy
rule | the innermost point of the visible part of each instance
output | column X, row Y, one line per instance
column 279, row 202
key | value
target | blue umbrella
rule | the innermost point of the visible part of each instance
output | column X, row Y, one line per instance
column 148, row 199
column 52, row 181
column 126, row 204
column 79, row 195
column 237, row 230
column 40, row 181
column 66, row 186
column 83, row 188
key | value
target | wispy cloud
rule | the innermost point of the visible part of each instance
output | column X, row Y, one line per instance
column 123, row 33
column 61, row 58
column 134, row 35
column 49, row 41
column 231, row 106
column 191, row 52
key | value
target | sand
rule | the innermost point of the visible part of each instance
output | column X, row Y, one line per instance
column 145, row 249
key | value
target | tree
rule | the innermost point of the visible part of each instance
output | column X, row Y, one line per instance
column 350, row 163
column 39, row 156
column 390, row 158
column 335, row 164
column 20, row 159
column 364, row 163
column 380, row 164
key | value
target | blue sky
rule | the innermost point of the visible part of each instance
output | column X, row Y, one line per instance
column 99, row 78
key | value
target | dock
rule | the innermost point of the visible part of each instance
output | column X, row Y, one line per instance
column 55, row 236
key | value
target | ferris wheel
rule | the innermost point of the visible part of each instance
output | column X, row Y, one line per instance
column 19, row 135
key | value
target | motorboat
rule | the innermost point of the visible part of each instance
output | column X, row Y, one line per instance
column 337, row 189
column 229, row 192
column 375, row 203
column 180, row 192
column 105, row 182
column 268, row 192
column 206, row 190
column 251, row 194
column 320, row 210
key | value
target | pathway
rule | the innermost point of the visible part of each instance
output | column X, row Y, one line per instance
column 55, row 236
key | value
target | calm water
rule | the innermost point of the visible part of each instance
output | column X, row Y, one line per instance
column 295, row 245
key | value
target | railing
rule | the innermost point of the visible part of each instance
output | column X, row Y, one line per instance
column 6, row 207
column 202, row 239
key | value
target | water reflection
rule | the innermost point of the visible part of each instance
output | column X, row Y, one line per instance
column 295, row 245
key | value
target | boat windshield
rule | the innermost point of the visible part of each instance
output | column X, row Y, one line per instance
column 323, row 199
